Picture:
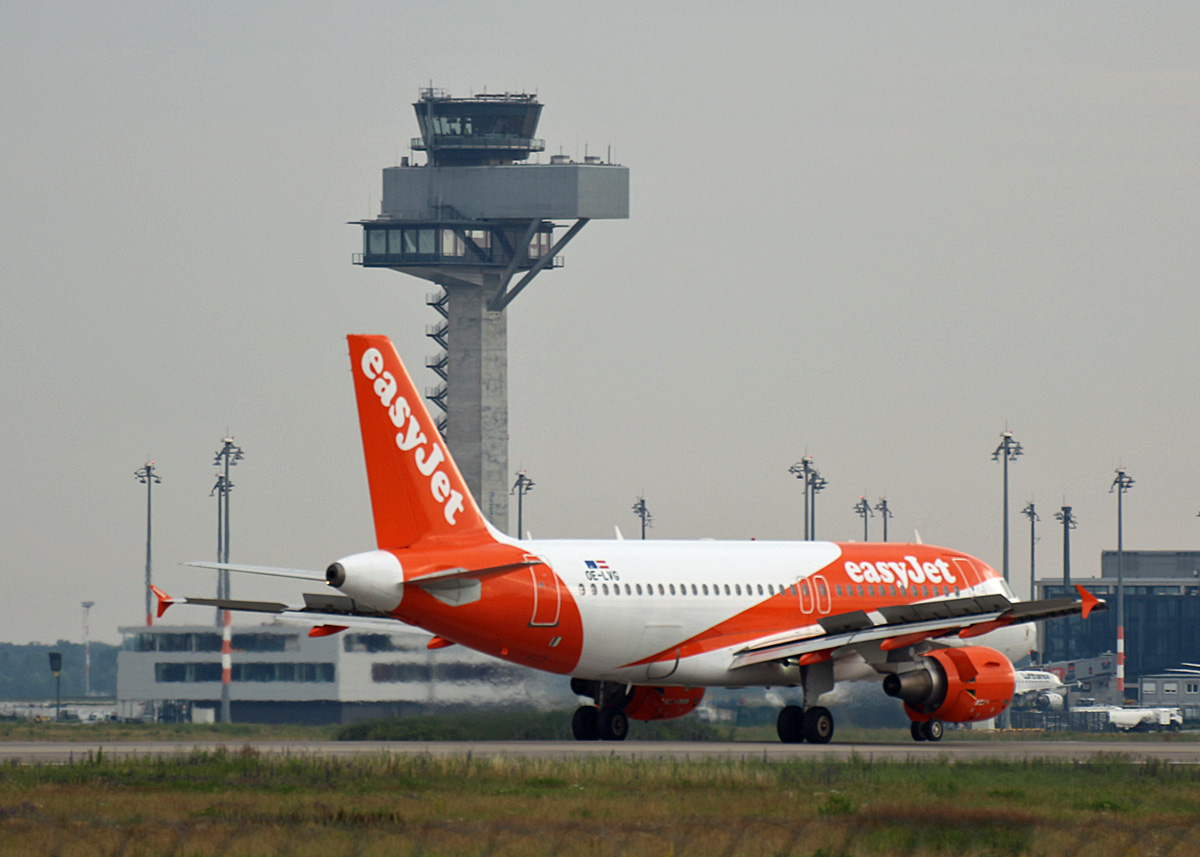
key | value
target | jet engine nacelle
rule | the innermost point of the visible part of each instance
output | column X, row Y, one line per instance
column 662, row 703
column 955, row 685
column 1050, row 701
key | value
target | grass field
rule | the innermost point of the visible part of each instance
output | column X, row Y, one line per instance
column 239, row 803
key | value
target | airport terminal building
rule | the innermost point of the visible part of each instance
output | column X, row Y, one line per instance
column 1162, row 613
column 281, row 675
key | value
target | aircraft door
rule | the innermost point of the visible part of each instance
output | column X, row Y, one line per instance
column 547, row 596
column 806, row 596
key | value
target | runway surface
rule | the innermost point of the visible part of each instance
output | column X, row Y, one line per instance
column 1172, row 752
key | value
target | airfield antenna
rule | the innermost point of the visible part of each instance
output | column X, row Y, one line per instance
column 148, row 477
column 639, row 509
column 521, row 487
column 863, row 509
column 885, row 513
column 1007, row 451
column 1122, row 483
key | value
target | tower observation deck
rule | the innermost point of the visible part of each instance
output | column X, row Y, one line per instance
column 479, row 221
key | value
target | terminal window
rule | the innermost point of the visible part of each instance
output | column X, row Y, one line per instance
column 256, row 672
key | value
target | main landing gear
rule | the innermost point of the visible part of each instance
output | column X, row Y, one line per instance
column 605, row 724
column 795, row 725
column 926, row 730
column 606, row 720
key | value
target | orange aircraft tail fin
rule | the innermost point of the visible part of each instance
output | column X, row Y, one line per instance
column 416, row 488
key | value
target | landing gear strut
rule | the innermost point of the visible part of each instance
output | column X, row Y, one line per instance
column 795, row 725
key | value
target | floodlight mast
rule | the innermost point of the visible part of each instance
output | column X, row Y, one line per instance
column 1007, row 451
column 87, row 650
column 229, row 455
column 148, row 477
column 640, row 509
column 884, row 512
column 1067, row 518
column 1030, row 512
column 1122, row 483
column 863, row 509
column 817, row 484
column 813, row 485
column 521, row 487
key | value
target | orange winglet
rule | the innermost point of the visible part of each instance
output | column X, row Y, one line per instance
column 984, row 628
column 1089, row 600
column 326, row 630
column 438, row 643
column 810, row 658
column 164, row 600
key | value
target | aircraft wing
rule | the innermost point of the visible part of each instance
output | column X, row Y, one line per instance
column 908, row 624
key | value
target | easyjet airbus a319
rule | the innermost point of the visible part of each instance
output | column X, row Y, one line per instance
column 643, row 627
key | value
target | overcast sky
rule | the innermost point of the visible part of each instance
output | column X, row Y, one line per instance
column 875, row 233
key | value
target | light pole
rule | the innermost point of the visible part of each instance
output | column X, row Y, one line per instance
column 639, row 509
column 802, row 470
column 884, row 512
column 1030, row 512
column 229, row 455
column 521, row 487
column 863, row 508
column 87, row 651
column 1122, row 483
column 1067, row 518
column 1007, row 451
column 817, row 484
column 148, row 477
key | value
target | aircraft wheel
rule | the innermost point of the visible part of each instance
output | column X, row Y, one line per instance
column 585, row 725
column 917, row 731
column 614, row 724
column 932, row 730
column 818, row 725
column 790, row 724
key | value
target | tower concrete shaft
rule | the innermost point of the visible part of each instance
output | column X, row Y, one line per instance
column 477, row 401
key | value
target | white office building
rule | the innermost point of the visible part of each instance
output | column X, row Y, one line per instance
column 281, row 675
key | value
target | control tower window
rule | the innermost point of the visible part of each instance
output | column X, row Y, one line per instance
column 540, row 245
column 419, row 242
column 452, row 245
column 394, row 242
column 376, row 242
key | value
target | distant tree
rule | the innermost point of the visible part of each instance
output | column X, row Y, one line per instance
column 25, row 670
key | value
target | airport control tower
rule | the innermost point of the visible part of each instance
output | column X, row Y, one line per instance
column 479, row 221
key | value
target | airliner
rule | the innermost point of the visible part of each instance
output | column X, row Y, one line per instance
column 641, row 628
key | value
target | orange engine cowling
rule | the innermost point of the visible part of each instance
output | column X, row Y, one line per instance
column 955, row 685
column 662, row 703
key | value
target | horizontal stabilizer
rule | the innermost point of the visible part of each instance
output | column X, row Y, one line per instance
column 297, row 573
column 233, row 604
